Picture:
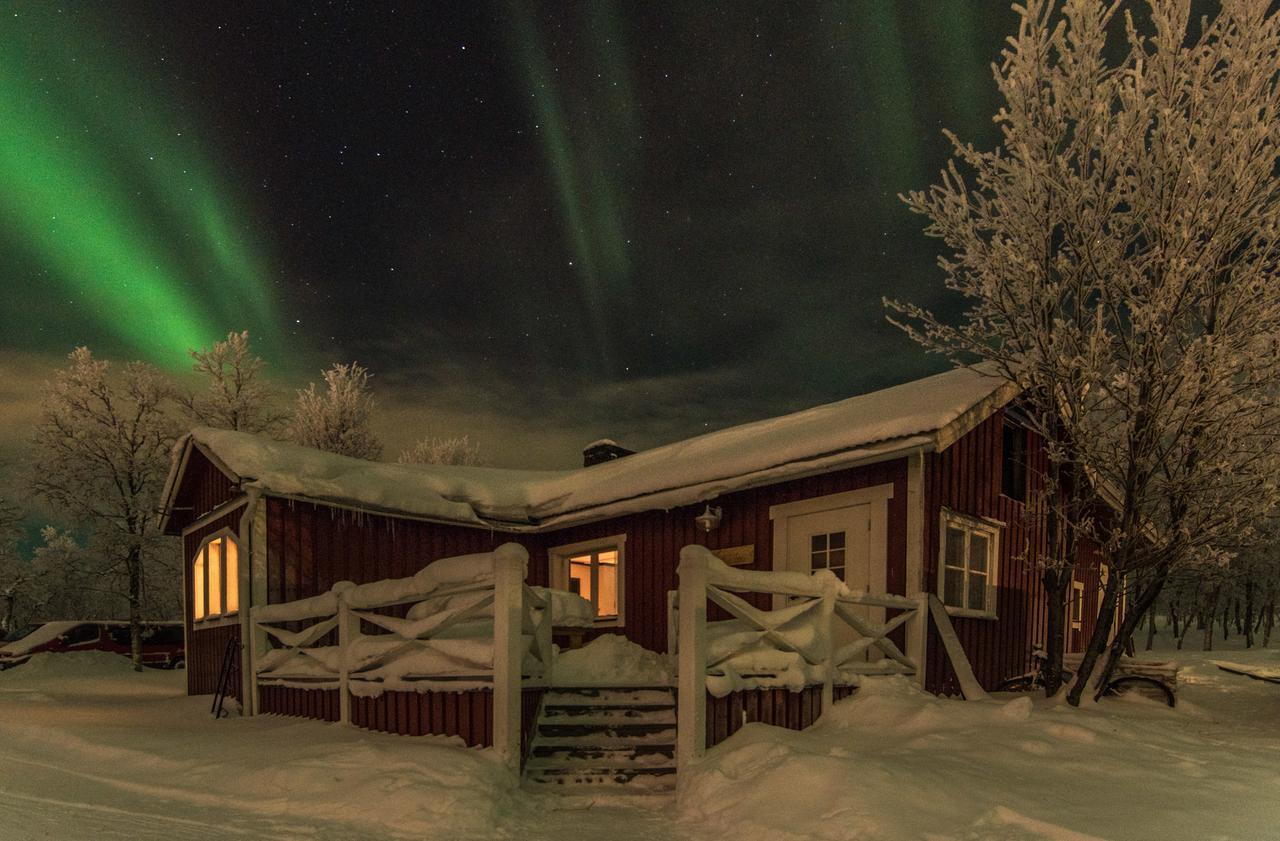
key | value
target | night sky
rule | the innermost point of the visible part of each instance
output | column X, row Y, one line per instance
column 537, row 223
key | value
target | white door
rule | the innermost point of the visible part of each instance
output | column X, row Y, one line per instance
column 839, row 540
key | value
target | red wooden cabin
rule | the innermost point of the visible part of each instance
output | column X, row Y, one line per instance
column 923, row 487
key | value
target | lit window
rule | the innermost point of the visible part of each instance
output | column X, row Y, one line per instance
column 1077, row 605
column 197, row 577
column 593, row 571
column 826, row 551
column 968, row 561
column 215, row 577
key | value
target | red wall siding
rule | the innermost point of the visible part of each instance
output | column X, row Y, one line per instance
column 467, row 714
column 779, row 707
column 206, row 647
column 203, row 488
column 965, row 478
column 655, row 538
column 311, row 547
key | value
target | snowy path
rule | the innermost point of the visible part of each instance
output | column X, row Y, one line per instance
column 91, row 751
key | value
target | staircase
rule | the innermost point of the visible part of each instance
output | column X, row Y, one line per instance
column 612, row 739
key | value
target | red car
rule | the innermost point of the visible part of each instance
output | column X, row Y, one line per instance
column 161, row 641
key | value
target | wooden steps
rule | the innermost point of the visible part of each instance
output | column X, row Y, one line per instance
column 595, row 739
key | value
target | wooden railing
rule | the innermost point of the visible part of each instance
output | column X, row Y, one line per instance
column 471, row 622
column 795, row 645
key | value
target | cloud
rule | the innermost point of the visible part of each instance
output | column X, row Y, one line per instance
column 22, row 377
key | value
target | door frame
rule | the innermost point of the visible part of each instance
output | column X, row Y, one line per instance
column 877, row 496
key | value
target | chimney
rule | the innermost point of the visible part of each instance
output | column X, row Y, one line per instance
column 598, row 452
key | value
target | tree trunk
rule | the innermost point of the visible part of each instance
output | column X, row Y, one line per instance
column 1151, row 628
column 134, row 565
column 1226, row 618
column 6, row 622
column 1173, row 618
column 1124, row 635
column 1248, row 613
column 1098, row 640
column 1056, row 584
column 1271, row 620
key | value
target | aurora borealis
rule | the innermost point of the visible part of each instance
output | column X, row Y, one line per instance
column 538, row 223
column 105, row 195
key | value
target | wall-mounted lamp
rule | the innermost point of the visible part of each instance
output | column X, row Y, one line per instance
column 709, row 518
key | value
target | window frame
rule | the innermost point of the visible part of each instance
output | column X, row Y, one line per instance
column 1075, row 601
column 201, row 559
column 559, row 556
column 970, row 525
column 1022, row 469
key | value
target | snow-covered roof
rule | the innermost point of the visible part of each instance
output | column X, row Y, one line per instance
column 926, row 413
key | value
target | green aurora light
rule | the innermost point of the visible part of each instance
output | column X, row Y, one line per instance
column 104, row 194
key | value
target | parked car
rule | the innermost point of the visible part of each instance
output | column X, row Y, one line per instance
column 162, row 646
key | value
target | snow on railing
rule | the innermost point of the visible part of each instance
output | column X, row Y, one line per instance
column 818, row 638
column 471, row 622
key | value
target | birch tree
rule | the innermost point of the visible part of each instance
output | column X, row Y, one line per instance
column 101, row 454
column 15, row 573
column 236, row 395
column 433, row 450
column 1118, row 255
column 337, row 419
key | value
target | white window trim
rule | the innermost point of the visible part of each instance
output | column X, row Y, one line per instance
column 970, row 523
column 1077, row 592
column 877, row 496
column 558, row 557
column 224, row 618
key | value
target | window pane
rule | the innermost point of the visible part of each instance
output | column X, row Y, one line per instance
column 818, row 543
column 607, row 603
column 197, row 578
column 836, row 540
column 977, row 592
column 955, row 547
column 817, row 561
column 979, row 545
column 214, row 564
column 580, row 576
column 835, row 558
column 953, row 587
column 233, row 575
column 838, row 572
column 610, row 557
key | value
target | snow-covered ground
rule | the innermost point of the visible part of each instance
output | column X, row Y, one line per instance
column 89, row 750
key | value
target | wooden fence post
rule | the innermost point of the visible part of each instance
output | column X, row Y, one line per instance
column 828, row 621
column 691, row 685
column 509, row 562
column 348, row 632
column 918, row 637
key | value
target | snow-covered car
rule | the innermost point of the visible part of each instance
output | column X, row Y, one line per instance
column 162, row 645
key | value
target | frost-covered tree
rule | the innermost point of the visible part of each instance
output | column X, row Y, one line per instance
column 433, row 450
column 236, row 395
column 1118, row 255
column 338, row 418
column 15, row 572
column 101, row 454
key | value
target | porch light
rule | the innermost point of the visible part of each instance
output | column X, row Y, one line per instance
column 708, row 519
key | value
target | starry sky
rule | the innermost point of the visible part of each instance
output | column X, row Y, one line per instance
column 537, row 223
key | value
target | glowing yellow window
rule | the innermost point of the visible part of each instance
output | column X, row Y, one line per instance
column 593, row 571
column 214, row 565
column 197, row 577
column 215, row 578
